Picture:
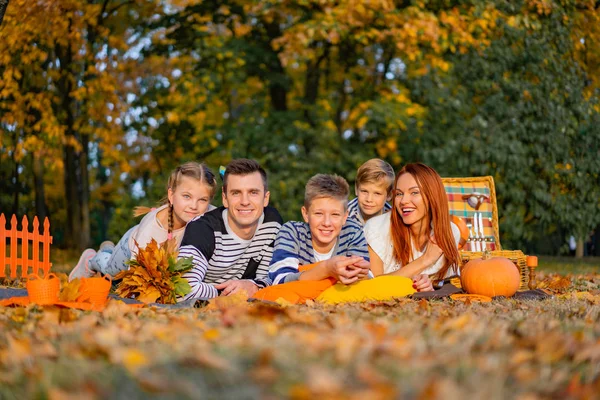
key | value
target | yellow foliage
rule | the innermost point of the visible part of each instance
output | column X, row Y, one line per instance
column 70, row 290
column 153, row 274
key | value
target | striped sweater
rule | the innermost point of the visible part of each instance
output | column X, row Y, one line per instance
column 293, row 247
column 219, row 255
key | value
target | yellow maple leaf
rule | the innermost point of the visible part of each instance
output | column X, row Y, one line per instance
column 150, row 295
column 70, row 290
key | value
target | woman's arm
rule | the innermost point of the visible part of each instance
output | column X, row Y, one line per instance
column 416, row 267
column 376, row 263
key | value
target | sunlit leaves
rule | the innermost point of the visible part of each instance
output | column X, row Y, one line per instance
column 154, row 275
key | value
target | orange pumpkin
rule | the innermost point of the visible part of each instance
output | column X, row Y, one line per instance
column 496, row 276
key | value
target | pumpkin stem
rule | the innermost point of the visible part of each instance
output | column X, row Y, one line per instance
column 487, row 254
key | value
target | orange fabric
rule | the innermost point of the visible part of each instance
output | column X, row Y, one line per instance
column 15, row 301
column 296, row 292
column 307, row 267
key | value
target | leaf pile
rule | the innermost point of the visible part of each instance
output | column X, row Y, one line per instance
column 154, row 276
column 405, row 349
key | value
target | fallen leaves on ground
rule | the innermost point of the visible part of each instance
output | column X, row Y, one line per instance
column 237, row 349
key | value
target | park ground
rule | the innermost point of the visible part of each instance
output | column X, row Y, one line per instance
column 521, row 349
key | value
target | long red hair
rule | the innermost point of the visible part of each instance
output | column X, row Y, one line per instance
column 436, row 203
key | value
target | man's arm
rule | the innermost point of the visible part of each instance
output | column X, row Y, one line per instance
column 198, row 242
column 195, row 276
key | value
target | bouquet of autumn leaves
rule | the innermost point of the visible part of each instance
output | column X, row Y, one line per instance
column 154, row 275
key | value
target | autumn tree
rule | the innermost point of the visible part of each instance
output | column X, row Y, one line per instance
column 66, row 77
column 303, row 87
column 522, row 111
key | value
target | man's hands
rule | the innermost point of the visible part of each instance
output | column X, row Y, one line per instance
column 235, row 286
column 422, row 283
column 349, row 269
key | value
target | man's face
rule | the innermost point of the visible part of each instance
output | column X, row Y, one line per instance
column 245, row 200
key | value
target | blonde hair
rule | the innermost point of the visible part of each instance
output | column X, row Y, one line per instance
column 375, row 171
column 190, row 169
column 323, row 185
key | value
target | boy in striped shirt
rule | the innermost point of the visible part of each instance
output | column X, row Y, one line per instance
column 332, row 243
column 232, row 246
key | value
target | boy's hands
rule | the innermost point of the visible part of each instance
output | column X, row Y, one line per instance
column 364, row 266
column 347, row 270
column 235, row 285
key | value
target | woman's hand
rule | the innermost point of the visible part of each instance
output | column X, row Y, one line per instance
column 422, row 283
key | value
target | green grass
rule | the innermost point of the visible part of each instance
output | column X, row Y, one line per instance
column 64, row 260
column 569, row 265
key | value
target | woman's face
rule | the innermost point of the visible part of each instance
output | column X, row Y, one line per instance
column 409, row 201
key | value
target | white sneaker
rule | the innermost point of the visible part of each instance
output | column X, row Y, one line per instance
column 106, row 245
column 82, row 270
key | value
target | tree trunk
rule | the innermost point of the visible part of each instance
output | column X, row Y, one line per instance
column 72, row 197
column 277, row 78
column 71, row 173
column 15, row 179
column 41, row 210
column 84, row 192
column 579, row 248
column 15, row 175
column 3, row 6
column 596, row 241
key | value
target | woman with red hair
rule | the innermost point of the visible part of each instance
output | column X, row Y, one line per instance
column 416, row 239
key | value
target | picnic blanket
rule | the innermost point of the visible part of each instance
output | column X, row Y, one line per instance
column 449, row 289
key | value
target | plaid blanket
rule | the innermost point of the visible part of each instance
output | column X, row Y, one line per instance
column 458, row 194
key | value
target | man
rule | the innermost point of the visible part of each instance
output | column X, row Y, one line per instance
column 232, row 246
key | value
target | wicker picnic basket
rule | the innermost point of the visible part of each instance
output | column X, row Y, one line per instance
column 43, row 291
column 460, row 191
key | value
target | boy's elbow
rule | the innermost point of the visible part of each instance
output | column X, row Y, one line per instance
column 276, row 278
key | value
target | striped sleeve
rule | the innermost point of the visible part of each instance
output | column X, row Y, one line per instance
column 353, row 240
column 195, row 276
column 285, row 259
column 199, row 243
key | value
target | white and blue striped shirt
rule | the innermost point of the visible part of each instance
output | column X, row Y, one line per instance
column 293, row 247
column 354, row 211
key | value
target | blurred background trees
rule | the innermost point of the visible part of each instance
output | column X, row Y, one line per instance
column 99, row 100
